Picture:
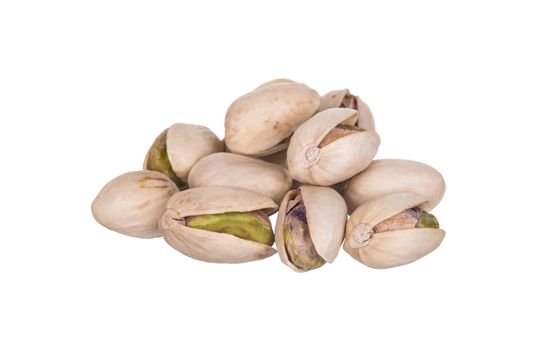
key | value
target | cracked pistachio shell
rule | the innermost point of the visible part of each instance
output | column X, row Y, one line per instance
column 229, row 169
column 133, row 203
column 326, row 215
column 184, row 145
column 390, row 248
column 336, row 161
column 207, row 245
column 385, row 176
column 343, row 98
column 260, row 122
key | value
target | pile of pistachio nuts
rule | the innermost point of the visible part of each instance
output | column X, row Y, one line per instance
column 287, row 150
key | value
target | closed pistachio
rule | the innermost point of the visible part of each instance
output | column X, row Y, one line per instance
column 178, row 148
column 133, row 203
column 261, row 122
column 329, row 148
column 310, row 227
column 235, row 170
column 344, row 99
column 219, row 224
column 392, row 230
column 385, row 176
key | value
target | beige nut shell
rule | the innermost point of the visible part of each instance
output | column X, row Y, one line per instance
column 133, row 203
column 213, row 246
column 391, row 248
column 326, row 215
column 229, row 169
column 385, row 176
column 337, row 98
column 335, row 162
column 188, row 143
column 259, row 122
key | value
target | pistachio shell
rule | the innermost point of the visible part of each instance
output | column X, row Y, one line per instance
column 277, row 81
column 133, row 203
column 213, row 246
column 338, row 160
column 258, row 122
column 185, row 144
column 391, row 248
column 326, row 215
column 278, row 158
column 385, row 176
column 228, row 169
column 343, row 98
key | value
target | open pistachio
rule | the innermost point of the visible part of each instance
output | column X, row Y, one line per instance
column 298, row 244
column 235, row 170
column 254, row 226
column 344, row 99
column 310, row 227
column 260, row 122
column 219, row 224
column 385, row 176
column 329, row 148
column 178, row 148
column 392, row 230
column 133, row 203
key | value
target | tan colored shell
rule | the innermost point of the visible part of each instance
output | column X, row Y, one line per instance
column 259, row 122
column 343, row 98
column 228, row 169
column 278, row 158
column 326, row 215
column 188, row 143
column 335, row 162
column 385, row 176
column 213, row 246
column 391, row 248
column 133, row 203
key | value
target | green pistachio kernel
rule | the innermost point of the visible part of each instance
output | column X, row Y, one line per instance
column 298, row 244
column 253, row 226
column 157, row 159
column 427, row 220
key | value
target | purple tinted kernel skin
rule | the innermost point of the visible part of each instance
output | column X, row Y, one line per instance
column 299, row 211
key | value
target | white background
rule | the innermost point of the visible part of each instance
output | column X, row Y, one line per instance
column 85, row 87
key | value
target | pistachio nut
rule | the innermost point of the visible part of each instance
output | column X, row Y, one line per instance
column 235, row 170
column 219, row 224
column 343, row 98
column 329, row 148
column 133, row 203
column 392, row 230
column 385, row 176
column 178, row 148
column 310, row 227
column 261, row 122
